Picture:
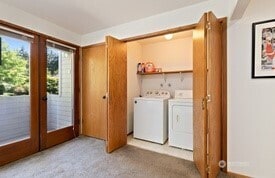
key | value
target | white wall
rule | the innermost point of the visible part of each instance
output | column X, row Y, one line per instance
column 134, row 55
column 251, row 113
column 180, row 17
column 170, row 55
column 170, row 82
column 24, row 19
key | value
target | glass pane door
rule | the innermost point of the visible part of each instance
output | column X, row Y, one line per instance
column 57, row 94
column 19, row 95
column 15, row 100
column 59, row 88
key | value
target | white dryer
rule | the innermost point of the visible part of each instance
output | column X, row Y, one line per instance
column 151, row 116
column 181, row 120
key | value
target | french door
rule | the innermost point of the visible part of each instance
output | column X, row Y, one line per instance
column 19, row 117
column 57, row 93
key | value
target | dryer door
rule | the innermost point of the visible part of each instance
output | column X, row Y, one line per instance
column 181, row 126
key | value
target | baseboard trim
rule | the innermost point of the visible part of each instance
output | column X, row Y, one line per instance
column 236, row 175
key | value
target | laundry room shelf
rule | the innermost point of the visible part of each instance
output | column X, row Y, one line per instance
column 165, row 72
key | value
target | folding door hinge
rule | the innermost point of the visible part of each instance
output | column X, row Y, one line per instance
column 208, row 98
column 208, row 25
column 208, row 169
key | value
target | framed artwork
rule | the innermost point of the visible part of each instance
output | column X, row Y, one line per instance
column 263, row 49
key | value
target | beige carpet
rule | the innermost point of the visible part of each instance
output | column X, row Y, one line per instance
column 86, row 157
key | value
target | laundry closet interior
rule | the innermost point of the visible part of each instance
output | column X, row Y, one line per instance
column 184, row 67
column 173, row 63
column 150, row 117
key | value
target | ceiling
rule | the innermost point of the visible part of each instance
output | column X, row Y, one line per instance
column 157, row 39
column 85, row 16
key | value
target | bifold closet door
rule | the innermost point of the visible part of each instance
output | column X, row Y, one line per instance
column 116, row 52
column 94, row 89
column 19, row 95
column 207, row 95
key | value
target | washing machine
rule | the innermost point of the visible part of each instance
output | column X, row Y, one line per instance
column 181, row 120
column 151, row 116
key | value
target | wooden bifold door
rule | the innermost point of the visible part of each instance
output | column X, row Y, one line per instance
column 94, row 89
column 104, row 92
column 207, row 80
column 116, row 52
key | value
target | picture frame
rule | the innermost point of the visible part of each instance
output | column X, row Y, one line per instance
column 263, row 49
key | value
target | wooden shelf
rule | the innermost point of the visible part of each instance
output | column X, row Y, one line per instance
column 166, row 72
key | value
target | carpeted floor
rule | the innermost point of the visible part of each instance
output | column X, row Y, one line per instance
column 86, row 157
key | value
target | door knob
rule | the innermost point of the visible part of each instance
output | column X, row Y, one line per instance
column 104, row 97
column 44, row 98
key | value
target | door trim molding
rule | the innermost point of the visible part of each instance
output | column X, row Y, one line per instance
column 162, row 32
column 223, row 22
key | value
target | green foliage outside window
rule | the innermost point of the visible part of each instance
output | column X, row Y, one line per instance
column 52, row 71
column 14, row 71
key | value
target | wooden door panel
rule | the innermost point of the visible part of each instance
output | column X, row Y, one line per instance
column 214, row 81
column 199, row 93
column 117, row 90
column 94, row 87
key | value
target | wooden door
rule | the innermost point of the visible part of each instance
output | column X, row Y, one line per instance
column 199, row 94
column 58, row 93
column 116, row 53
column 94, row 88
column 207, row 95
column 214, row 88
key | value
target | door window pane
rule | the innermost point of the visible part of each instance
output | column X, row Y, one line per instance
column 14, row 89
column 59, row 88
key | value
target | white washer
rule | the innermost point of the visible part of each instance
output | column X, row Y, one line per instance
column 181, row 120
column 151, row 116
